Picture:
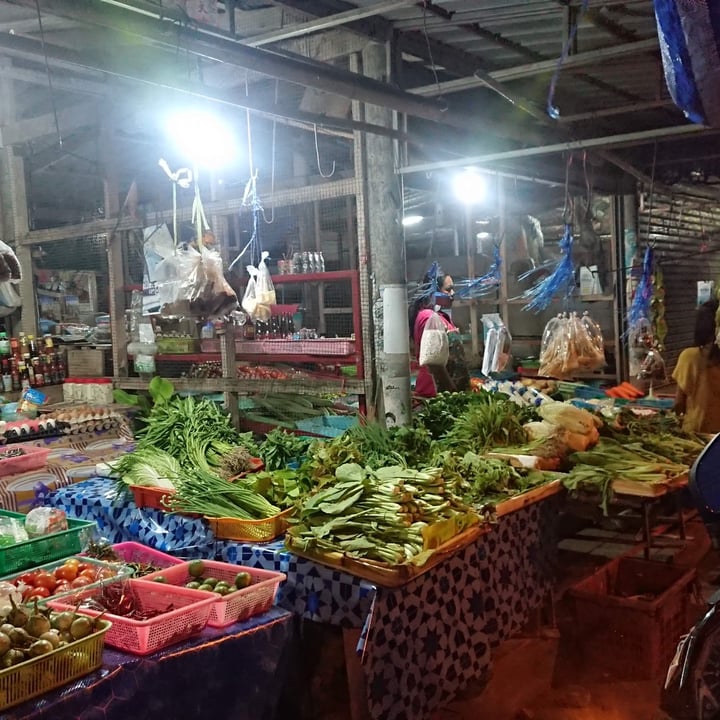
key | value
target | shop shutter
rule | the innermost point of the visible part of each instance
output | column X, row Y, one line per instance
column 687, row 238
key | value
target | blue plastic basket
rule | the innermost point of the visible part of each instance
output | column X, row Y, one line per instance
column 328, row 425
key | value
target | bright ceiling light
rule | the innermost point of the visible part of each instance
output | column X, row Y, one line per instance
column 410, row 220
column 469, row 187
column 202, row 138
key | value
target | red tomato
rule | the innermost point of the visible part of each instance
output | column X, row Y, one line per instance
column 106, row 573
column 38, row 592
column 62, row 587
column 27, row 578
column 66, row 572
column 45, row 580
column 80, row 581
column 72, row 561
column 90, row 574
column 81, row 566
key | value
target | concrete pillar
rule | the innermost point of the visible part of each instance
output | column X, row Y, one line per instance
column 383, row 192
column 13, row 206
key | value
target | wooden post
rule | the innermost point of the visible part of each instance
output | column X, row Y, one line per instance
column 227, row 354
column 363, row 267
column 13, row 206
column 114, row 246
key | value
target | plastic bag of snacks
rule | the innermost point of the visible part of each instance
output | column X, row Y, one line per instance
column 571, row 344
column 45, row 521
column 496, row 355
column 434, row 345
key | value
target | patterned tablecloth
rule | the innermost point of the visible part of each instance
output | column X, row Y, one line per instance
column 223, row 673
column 421, row 644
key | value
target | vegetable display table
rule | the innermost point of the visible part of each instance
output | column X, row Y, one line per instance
column 72, row 458
column 420, row 644
column 233, row 672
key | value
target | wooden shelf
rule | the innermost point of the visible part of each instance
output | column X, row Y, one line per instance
column 299, row 386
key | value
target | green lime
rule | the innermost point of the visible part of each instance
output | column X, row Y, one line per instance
column 242, row 580
column 223, row 589
column 210, row 581
column 160, row 579
column 206, row 587
column 196, row 568
column 192, row 585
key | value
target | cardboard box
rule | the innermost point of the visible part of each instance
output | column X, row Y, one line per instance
column 85, row 363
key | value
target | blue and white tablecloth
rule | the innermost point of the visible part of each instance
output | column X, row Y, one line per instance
column 421, row 644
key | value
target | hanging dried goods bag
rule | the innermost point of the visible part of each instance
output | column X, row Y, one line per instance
column 434, row 344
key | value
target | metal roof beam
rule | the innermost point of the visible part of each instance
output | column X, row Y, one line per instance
column 624, row 139
column 326, row 22
column 518, row 72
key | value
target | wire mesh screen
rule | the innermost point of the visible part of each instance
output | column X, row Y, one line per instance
column 72, row 279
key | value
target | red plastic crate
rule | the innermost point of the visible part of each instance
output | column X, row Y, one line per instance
column 141, row 637
column 240, row 605
column 33, row 459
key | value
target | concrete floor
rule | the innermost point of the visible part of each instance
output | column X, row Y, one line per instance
column 546, row 677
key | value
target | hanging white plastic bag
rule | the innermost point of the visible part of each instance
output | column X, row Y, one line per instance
column 434, row 344
column 249, row 301
column 9, row 264
column 264, row 290
column 174, row 276
column 206, row 289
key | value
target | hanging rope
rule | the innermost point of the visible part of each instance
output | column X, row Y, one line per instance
column 251, row 200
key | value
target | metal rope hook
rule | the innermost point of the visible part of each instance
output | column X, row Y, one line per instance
column 317, row 156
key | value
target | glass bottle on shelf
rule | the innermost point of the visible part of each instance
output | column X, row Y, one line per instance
column 32, row 346
column 305, row 263
column 322, row 262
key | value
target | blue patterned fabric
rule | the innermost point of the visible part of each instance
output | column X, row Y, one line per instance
column 420, row 644
column 312, row 591
column 190, row 680
column 689, row 35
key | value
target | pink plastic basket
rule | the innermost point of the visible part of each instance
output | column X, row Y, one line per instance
column 255, row 599
column 32, row 459
column 189, row 616
column 132, row 552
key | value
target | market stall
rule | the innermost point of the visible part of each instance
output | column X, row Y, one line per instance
column 422, row 642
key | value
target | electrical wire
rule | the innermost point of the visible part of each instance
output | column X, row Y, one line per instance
column 441, row 98
column 49, row 75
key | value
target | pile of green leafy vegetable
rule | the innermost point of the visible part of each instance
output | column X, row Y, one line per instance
column 189, row 446
column 281, row 448
column 388, row 514
column 481, row 480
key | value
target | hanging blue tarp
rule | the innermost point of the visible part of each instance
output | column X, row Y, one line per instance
column 689, row 34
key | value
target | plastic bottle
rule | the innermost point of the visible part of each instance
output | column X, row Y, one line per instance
column 4, row 345
column 32, row 346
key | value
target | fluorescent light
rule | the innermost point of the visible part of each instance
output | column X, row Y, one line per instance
column 410, row 220
column 202, row 138
column 469, row 187
column 483, row 235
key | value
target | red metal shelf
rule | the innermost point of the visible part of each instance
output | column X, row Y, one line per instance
column 286, row 359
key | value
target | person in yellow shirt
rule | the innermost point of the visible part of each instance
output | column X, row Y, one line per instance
column 697, row 375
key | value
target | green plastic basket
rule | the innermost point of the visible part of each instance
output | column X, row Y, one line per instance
column 46, row 548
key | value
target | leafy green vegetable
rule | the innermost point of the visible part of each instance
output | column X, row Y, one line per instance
column 160, row 390
column 150, row 467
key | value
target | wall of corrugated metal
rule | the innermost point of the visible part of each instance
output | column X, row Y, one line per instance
column 687, row 240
